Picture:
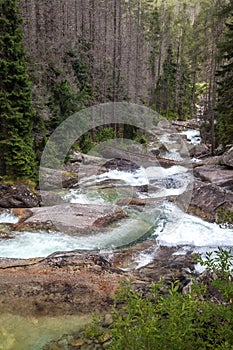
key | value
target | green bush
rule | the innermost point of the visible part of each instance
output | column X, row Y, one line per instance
column 173, row 321
column 164, row 318
column 105, row 134
column 225, row 217
column 142, row 140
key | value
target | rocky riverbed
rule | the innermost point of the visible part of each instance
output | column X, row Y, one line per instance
column 80, row 282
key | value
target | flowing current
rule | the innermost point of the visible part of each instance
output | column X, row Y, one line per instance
column 160, row 219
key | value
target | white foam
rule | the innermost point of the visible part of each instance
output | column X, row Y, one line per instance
column 193, row 136
column 39, row 244
column 8, row 218
column 135, row 178
column 174, row 154
column 74, row 196
column 184, row 229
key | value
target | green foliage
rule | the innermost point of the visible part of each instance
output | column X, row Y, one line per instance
column 63, row 100
column 52, row 156
column 81, row 62
column 105, row 134
column 165, row 88
column 184, row 93
column 16, row 113
column 85, row 143
column 220, row 266
column 142, row 140
column 225, row 217
column 172, row 321
column 164, row 318
column 224, row 126
column 220, row 261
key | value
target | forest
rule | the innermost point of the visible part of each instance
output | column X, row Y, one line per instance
column 58, row 57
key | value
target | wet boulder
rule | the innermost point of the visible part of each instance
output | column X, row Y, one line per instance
column 51, row 179
column 78, row 282
column 17, row 196
column 227, row 158
column 209, row 161
column 78, row 157
column 70, row 218
column 208, row 198
column 216, row 174
column 121, row 165
column 61, row 284
column 200, row 150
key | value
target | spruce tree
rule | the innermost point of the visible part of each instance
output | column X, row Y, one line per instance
column 165, row 88
column 17, row 157
column 224, row 124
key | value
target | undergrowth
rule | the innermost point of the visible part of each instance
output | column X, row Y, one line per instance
column 165, row 318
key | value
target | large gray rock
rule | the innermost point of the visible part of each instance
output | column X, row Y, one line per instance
column 200, row 150
column 17, row 196
column 207, row 198
column 56, row 179
column 70, row 218
column 121, row 164
column 216, row 174
column 79, row 157
column 216, row 160
column 51, row 179
column 186, row 124
column 227, row 158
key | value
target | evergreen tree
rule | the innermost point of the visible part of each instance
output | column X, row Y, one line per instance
column 184, row 91
column 17, row 157
column 224, row 124
column 165, row 88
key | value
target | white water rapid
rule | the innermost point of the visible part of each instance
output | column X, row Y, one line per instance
column 162, row 220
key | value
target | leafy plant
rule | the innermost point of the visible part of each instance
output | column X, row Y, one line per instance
column 218, row 261
column 142, row 140
column 105, row 134
column 163, row 318
column 220, row 266
column 225, row 217
column 169, row 320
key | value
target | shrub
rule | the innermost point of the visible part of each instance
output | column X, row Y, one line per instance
column 164, row 318
column 225, row 217
column 170, row 321
column 105, row 134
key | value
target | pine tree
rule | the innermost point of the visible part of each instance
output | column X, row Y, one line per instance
column 165, row 88
column 17, row 157
column 224, row 124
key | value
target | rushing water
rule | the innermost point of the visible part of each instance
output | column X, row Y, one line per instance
column 159, row 220
column 162, row 221
column 8, row 218
column 193, row 136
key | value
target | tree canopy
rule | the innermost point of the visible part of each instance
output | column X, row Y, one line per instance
column 16, row 112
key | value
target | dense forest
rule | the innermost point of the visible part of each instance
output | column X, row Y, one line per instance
column 58, row 57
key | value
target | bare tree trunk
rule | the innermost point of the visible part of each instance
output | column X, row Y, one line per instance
column 119, row 53
column 137, row 54
column 161, row 41
column 114, row 50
